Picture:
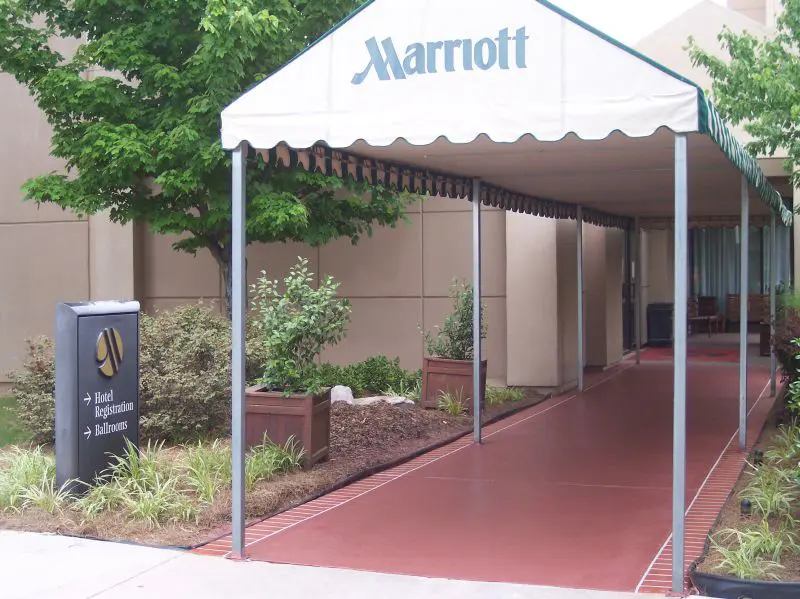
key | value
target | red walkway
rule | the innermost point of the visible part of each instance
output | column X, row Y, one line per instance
column 575, row 492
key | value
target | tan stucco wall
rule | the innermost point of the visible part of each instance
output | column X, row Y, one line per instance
column 542, row 300
column 532, row 301
column 754, row 9
column 595, row 310
column 47, row 255
column 398, row 280
column 44, row 252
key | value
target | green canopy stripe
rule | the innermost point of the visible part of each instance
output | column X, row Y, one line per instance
column 711, row 124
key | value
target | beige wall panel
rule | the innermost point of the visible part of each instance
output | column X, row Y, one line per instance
column 151, row 305
column 442, row 204
column 43, row 264
column 615, row 239
column 381, row 326
column 171, row 274
column 566, row 246
column 24, row 153
column 447, row 243
column 594, row 280
column 278, row 258
column 755, row 9
column 111, row 259
column 415, row 207
column 388, row 264
column 436, row 309
column 531, row 301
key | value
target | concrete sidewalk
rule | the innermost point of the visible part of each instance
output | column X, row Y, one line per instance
column 38, row 566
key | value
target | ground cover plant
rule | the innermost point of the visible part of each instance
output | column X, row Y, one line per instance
column 179, row 494
column 176, row 489
column 757, row 536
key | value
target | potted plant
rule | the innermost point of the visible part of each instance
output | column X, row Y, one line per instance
column 294, row 325
column 448, row 368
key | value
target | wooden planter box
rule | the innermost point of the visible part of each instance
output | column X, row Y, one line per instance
column 307, row 418
column 440, row 375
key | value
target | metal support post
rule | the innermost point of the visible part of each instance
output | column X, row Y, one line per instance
column 477, row 390
column 744, row 258
column 579, row 223
column 773, row 307
column 238, row 299
column 679, row 373
column 637, row 288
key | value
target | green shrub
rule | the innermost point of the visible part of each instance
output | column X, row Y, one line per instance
column 296, row 325
column 454, row 341
column 33, row 386
column 377, row 375
column 330, row 375
column 184, row 376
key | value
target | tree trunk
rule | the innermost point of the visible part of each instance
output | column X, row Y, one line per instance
column 225, row 262
column 222, row 256
column 227, row 275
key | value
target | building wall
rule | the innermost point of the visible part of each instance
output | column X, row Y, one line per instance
column 398, row 280
column 44, row 251
column 754, row 9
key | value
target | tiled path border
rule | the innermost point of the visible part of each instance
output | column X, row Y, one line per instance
column 272, row 526
column 704, row 509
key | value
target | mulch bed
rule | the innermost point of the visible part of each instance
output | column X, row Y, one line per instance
column 731, row 517
column 363, row 439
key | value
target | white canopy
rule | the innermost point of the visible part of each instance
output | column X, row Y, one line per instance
column 504, row 91
column 518, row 105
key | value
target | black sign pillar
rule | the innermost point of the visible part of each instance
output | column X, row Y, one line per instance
column 97, row 386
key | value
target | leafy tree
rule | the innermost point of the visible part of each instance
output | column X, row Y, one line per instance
column 135, row 114
column 759, row 86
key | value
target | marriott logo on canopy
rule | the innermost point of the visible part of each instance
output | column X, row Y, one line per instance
column 502, row 52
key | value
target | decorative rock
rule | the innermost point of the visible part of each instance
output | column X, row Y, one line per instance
column 340, row 393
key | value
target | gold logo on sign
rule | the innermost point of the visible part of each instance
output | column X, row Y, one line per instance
column 109, row 352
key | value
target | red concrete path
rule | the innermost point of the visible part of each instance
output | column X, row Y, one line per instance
column 575, row 492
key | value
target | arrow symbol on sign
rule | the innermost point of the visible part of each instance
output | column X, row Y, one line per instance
column 88, row 399
column 87, row 433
